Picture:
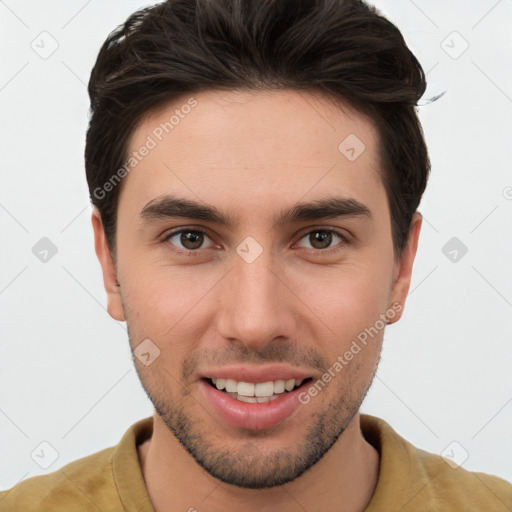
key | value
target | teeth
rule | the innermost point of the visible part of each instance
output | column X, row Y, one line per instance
column 263, row 399
column 246, row 388
column 279, row 386
column 289, row 384
column 261, row 390
column 248, row 399
column 231, row 386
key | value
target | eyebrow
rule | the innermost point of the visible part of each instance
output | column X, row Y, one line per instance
column 170, row 206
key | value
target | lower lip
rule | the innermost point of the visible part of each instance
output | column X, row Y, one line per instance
column 252, row 416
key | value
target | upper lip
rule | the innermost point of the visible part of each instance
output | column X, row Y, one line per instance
column 248, row 373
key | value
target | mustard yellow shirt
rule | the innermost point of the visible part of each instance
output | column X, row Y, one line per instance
column 410, row 480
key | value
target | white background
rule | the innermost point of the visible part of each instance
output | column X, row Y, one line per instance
column 66, row 376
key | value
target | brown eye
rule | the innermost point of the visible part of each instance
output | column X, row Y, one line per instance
column 322, row 239
column 187, row 239
column 191, row 239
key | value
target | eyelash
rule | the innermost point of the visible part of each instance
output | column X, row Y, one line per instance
column 316, row 252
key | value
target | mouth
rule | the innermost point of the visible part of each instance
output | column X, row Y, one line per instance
column 252, row 405
column 256, row 393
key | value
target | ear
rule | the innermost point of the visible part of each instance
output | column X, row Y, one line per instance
column 403, row 267
column 114, row 303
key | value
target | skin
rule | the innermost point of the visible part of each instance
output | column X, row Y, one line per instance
column 253, row 154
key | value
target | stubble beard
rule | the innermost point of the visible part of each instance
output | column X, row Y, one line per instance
column 252, row 465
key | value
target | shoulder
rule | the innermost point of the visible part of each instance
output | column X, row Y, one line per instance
column 101, row 481
column 418, row 480
column 84, row 484
column 451, row 484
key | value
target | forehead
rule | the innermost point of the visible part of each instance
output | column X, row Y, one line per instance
column 254, row 147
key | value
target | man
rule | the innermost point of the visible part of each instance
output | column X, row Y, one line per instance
column 255, row 170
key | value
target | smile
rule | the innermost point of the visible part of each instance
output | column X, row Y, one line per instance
column 260, row 392
column 252, row 405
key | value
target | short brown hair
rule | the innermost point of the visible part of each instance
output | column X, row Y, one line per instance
column 344, row 48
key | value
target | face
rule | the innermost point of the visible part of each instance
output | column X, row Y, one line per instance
column 254, row 255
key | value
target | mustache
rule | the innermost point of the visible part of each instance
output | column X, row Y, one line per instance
column 278, row 352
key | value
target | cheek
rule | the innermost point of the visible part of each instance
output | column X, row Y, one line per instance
column 349, row 297
column 164, row 289
column 172, row 307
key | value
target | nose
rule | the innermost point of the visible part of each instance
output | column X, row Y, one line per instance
column 256, row 303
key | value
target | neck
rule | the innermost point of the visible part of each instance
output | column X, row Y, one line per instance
column 343, row 480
